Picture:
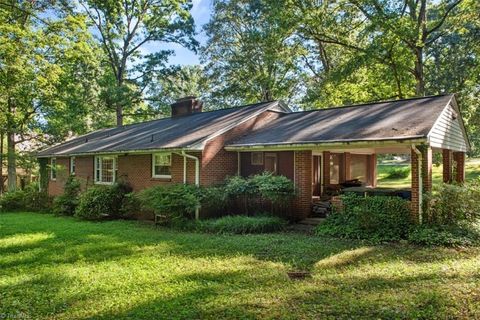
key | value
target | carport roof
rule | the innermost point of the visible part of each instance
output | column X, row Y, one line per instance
column 391, row 120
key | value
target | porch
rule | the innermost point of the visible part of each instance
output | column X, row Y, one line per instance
column 322, row 173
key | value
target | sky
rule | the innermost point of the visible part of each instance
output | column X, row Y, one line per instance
column 201, row 11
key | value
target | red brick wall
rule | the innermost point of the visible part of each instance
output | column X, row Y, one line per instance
column 415, row 185
column 284, row 164
column 426, row 171
column 447, row 165
column 55, row 187
column 217, row 163
column 303, row 184
column 459, row 158
column 137, row 171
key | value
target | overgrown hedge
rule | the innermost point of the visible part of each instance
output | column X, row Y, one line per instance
column 29, row 199
column 104, row 201
column 451, row 218
column 376, row 218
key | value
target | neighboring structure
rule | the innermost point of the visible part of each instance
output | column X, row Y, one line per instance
column 316, row 149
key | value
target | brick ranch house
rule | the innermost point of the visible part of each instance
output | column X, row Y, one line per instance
column 318, row 150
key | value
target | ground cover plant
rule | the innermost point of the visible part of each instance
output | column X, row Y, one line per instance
column 63, row 268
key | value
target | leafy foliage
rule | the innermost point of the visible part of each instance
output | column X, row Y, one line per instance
column 459, row 235
column 450, row 204
column 264, row 187
column 29, row 199
column 376, row 218
column 241, row 224
column 397, row 172
column 175, row 201
column 103, row 201
column 66, row 203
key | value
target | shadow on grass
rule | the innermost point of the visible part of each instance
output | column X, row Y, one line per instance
column 207, row 294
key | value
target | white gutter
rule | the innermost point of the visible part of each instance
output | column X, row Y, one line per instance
column 420, row 183
column 197, row 176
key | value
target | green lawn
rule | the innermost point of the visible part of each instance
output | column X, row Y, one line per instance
column 472, row 171
column 62, row 268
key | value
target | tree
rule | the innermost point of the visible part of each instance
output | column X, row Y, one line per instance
column 250, row 55
column 37, row 56
column 124, row 29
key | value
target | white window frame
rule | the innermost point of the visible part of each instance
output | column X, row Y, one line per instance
column 258, row 153
column 53, row 168
column 161, row 176
column 72, row 166
column 98, row 167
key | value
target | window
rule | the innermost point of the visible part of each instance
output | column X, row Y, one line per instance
column 53, row 169
column 161, row 165
column 271, row 162
column 72, row 165
column 257, row 158
column 105, row 169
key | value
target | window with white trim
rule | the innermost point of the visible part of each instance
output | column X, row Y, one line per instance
column 105, row 169
column 257, row 158
column 53, row 168
column 72, row 165
column 161, row 165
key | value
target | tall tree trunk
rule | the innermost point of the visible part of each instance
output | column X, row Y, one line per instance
column 119, row 106
column 11, row 158
column 419, row 76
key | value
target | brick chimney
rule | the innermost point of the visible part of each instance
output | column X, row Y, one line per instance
column 186, row 105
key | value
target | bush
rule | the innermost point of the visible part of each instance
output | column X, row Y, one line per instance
column 375, row 218
column 36, row 200
column 240, row 224
column 463, row 234
column 103, row 201
column 29, row 199
column 398, row 172
column 255, row 191
column 12, row 201
column 175, row 201
column 66, row 203
column 450, row 204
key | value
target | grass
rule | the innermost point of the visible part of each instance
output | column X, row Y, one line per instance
column 62, row 268
column 472, row 171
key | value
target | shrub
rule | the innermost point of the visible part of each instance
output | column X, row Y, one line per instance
column 241, row 224
column 463, row 234
column 66, row 203
column 398, row 172
column 175, row 201
column 12, row 201
column 375, row 218
column 35, row 200
column 29, row 199
column 450, row 204
column 102, row 201
column 254, row 191
column 277, row 189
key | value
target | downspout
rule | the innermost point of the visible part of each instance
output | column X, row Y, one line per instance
column 420, row 183
column 197, row 176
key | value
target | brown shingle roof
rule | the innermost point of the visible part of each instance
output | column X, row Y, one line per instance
column 400, row 119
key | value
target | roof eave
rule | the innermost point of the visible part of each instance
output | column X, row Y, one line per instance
column 330, row 144
column 120, row 152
